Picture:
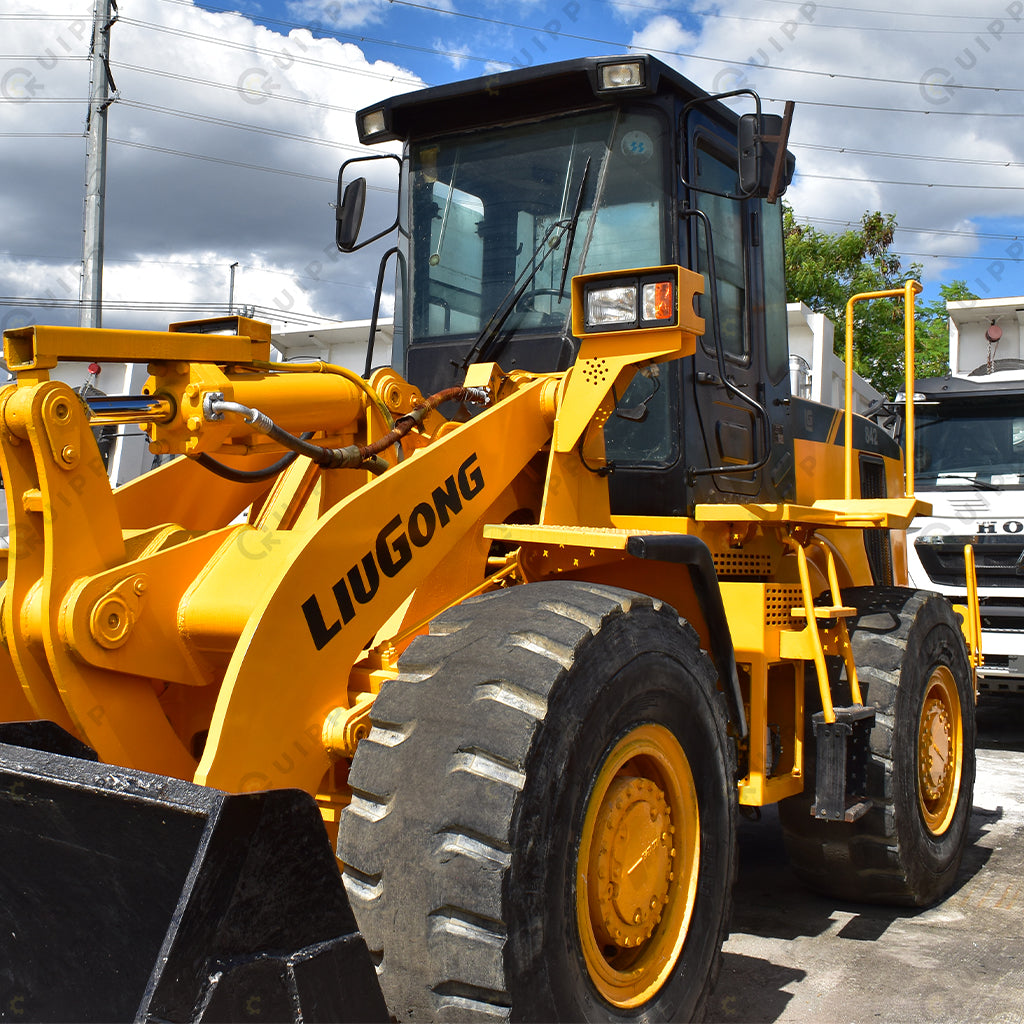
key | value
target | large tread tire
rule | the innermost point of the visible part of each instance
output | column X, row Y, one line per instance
column 913, row 668
column 471, row 794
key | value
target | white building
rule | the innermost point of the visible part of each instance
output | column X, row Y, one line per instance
column 343, row 346
column 815, row 371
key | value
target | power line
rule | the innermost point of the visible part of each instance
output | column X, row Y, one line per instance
column 717, row 60
column 918, row 231
column 335, row 32
column 209, row 265
column 945, row 256
column 917, row 184
column 368, row 73
column 874, row 29
column 241, row 125
column 894, row 110
column 222, row 160
column 895, row 12
column 291, row 57
column 797, row 146
column 690, row 56
column 280, row 133
column 232, row 87
column 238, row 163
column 315, row 177
column 582, row 38
column 334, row 144
column 156, row 306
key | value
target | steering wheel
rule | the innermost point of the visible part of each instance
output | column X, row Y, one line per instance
column 532, row 293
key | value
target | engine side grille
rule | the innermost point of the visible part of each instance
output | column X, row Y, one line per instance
column 877, row 543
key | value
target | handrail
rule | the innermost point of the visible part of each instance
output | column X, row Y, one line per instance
column 973, row 614
column 908, row 291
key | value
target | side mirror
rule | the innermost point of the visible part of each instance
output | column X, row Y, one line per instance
column 349, row 211
column 765, row 168
column 351, row 206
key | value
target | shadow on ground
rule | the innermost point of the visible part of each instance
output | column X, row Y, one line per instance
column 770, row 904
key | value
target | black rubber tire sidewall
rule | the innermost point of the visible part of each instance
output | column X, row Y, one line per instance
column 888, row 856
column 637, row 672
column 931, row 861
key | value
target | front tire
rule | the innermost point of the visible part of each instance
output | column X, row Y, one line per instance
column 913, row 668
column 543, row 823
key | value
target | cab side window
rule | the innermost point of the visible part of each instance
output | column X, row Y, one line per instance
column 717, row 173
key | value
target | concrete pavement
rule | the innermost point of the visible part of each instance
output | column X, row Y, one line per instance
column 797, row 957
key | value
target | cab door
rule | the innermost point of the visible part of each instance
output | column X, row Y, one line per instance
column 733, row 433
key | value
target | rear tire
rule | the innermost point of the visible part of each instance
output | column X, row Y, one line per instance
column 913, row 668
column 543, row 816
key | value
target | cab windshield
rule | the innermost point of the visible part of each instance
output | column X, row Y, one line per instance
column 484, row 206
column 980, row 444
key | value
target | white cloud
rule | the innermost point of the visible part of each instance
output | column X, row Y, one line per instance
column 664, row 35
column 211, row 106
column 301, row 91
column 337, row 13
column 851, row 72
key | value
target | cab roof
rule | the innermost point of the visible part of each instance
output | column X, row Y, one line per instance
column 521, row 94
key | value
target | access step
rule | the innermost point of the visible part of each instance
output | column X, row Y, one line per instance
column 825, row 611
column 843, row 749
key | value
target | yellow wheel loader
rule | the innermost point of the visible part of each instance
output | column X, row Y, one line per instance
column 434, row 693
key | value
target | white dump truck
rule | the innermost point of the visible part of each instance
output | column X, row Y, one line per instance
column 969, row 462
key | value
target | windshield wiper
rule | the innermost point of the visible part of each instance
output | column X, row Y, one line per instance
column 570, row 234
column 488, row 341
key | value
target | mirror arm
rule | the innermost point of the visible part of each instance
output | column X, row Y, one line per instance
column 782, row 139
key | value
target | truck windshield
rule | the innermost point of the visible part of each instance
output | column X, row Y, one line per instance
column 482, row 203
column 983, row 444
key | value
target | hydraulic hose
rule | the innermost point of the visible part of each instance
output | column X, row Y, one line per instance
column 352, row 456
column 249, row 476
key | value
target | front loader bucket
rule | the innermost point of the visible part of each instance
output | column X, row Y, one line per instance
column 130, row 896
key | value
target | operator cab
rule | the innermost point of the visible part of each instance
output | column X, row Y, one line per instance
column 514, row 183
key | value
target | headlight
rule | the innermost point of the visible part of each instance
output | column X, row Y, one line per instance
column 645, row 310
column 373, row 123
column 606, row 306
column 627, row 74
column 634, row 302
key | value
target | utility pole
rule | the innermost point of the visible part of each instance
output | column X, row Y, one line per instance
column 91, row 295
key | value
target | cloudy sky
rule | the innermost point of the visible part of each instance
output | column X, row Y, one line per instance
column 231, row 121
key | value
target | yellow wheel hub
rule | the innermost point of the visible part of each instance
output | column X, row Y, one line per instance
column 637, row 866
column 939, row 751
column 631, row 858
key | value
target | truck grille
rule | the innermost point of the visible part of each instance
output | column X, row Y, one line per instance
column 996, row 560
column 1001, row 616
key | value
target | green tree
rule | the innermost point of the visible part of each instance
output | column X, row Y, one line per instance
column 824, row 270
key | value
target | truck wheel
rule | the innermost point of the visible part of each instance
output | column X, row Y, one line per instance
column 913, row 668
column 543, row 816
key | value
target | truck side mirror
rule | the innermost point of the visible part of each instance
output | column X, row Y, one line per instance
column 349, row 211
column 765, row 168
